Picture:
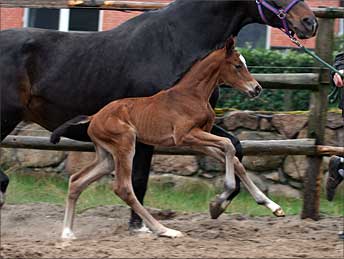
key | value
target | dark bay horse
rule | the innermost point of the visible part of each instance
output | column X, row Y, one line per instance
column 178, row 116
column 48, row 77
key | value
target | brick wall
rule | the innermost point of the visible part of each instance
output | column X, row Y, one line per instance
column 112, row 19
column 11, row 18
column 278, row 39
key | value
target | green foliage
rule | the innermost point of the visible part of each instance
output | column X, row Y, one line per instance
column 271, row 61
column 339, row 44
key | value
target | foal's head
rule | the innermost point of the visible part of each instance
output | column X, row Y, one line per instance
column 234, row 72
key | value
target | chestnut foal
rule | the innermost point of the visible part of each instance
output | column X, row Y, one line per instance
column 179, row 116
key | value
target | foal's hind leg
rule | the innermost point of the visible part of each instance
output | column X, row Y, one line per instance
column 101, row 166
column 123, row 155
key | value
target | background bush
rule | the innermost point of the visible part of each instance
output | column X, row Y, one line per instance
column 274, row 61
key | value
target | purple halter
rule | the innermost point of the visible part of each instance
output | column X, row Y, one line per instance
column 280, row 13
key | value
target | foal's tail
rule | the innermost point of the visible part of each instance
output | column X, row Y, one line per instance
column 62, row 129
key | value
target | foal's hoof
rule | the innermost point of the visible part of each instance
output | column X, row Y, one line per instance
column 279, row 213
column 171, row 233
column 67, row 235
column 217, row 207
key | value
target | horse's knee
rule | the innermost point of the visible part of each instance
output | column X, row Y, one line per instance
column 229, row 147
column 125, row 193
column 74, row 190
column 235, row 141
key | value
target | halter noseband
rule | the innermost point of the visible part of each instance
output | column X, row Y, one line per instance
column 281, row 13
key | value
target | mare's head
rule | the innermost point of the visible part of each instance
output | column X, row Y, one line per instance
column 298, row 16
column 234, row 72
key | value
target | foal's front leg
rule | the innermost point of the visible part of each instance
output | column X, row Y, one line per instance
column 218, row 206
column 215, row 145
column 257, row 194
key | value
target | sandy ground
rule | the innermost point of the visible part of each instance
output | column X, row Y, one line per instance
column 33, row 230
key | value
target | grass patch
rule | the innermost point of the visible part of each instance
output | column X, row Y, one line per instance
column 51, row 188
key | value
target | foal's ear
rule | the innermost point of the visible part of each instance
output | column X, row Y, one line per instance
column 230, row 45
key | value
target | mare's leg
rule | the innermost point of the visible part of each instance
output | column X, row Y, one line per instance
column 8, row 124
column 123, row 155
column 102, row 165
column 216, row 211
column 11, row 114
column 141, row 168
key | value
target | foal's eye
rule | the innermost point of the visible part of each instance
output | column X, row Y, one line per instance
column 238, row 66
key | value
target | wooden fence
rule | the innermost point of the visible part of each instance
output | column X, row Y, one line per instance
column 317, row 83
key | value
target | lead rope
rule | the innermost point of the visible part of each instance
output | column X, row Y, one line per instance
column 336, row 92
column 282, row 15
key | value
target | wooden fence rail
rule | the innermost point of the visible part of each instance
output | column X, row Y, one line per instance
column 250, row 147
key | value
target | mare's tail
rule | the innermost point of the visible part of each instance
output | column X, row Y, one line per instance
column 62, row 129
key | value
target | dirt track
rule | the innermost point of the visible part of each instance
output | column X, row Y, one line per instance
column 32, row 231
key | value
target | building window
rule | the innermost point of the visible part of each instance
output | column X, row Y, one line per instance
column 83, row 20
column 255, row 36
column 63, row 19
column 44, row 18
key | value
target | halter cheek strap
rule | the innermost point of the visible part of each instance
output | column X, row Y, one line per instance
column 281, row 13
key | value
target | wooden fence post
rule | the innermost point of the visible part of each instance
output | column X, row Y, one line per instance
column 317, row 122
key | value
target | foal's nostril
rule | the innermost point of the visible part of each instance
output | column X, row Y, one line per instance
column 257, row 89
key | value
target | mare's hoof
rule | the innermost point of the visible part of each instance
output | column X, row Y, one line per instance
column 217, row 207
column 279, row 213
column 171, row 233
column 67, row 235
column 2, row 199
column 139, row 230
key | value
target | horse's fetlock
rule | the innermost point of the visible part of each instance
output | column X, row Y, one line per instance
column 230, row 187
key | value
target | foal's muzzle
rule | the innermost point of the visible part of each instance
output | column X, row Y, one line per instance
column 255, row 91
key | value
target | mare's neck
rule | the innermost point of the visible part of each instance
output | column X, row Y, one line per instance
column 201, row 80
column 182, row 33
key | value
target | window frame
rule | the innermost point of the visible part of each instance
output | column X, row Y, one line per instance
column 64, row 20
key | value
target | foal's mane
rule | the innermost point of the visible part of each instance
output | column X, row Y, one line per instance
column 217, row 47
